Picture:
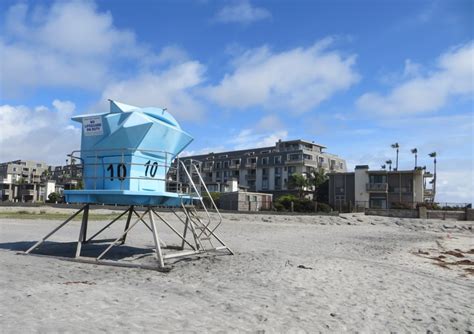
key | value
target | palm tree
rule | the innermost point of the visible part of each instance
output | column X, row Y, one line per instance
column 389, row 163
column 433, row 155
column 415, row 152
column 383, row 166
column 316, row 180
column 300, row 182
column 397, row 147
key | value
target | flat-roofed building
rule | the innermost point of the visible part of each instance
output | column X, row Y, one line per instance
column 377, row 189
column 266, row 169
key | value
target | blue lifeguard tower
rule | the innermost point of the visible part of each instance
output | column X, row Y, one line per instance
column 129, row 158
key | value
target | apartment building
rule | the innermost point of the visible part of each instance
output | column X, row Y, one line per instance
column 66, row 177
column 24, row 181
column 266, row 169
column 377, row 189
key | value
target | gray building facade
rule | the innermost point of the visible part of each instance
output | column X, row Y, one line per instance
column 266, row 169
column 377, row 189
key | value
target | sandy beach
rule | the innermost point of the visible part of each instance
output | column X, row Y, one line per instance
column 304, row 274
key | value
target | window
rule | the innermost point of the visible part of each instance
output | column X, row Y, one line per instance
column 39, row 165
column 378, row 203
column 236, row 162
column 265, row 183
column 265, row 161
column 223, row 156
column 264, row 152
column 321, row 160
column 277, row 181
column 218, row 165
column 378, row 178
column 251, row 160
column 264, row 171
column 277, row 170
column 218, row 174
column 341, row 165
column 277, row 159
column 226, row 164
column 291, row 170
column 308, row 157
column 14, row 169
column 294, row 157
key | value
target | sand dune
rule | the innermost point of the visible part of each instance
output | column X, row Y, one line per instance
column 290, row 274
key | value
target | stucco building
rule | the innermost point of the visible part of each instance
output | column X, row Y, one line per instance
column 266, row 169
column 377, row 189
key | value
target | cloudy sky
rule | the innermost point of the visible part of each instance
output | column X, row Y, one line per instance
column 355, row 76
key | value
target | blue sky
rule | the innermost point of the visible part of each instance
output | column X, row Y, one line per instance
column 355, row 76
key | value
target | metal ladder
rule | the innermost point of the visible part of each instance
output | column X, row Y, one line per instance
column 204, row 226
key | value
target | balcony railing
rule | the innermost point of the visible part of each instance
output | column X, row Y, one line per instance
column 377, row 187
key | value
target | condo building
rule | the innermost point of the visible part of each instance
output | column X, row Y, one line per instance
column 265, row 169
column 33, row 181
column 24, row 181
column 378, row 189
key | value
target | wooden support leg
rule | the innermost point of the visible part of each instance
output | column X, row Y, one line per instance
column 107, row 226
column 83, row 230
column 54, row 231
column 121, row 236
column 156, row 239
column 184, row 233
column 127, row 224
column 173, row 229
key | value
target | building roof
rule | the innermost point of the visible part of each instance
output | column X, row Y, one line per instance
column 255, row 148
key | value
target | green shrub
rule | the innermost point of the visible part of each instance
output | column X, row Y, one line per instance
column 283, row 203
column 304, row 205
column 323, row 207
column 215, row 197
column 54, row 197
column 279, row 207
column 401, row 205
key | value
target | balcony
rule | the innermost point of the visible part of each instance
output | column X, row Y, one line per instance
column 27, row 192
column 251, row 165
column 295, row 161
column 234, row 166
column 377, row 187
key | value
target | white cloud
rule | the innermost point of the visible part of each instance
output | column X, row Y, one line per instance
column 249, row 138
column 453, row 76
column 456, row 186
column 40, row 133
column 172, row 89
column 242, row 12
column 266, row 132
column 297, row 79
column 68, row 44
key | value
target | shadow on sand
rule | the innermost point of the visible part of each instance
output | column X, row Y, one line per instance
column 68, row 249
